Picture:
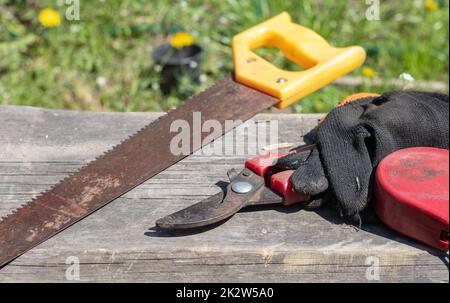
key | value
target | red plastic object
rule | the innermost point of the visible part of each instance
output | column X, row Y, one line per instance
column 261, row 164
column 412, row 194
column 280, row 182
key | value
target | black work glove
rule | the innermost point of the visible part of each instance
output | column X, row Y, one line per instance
column 355, row 137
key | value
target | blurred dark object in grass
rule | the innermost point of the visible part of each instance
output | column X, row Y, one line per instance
column 372, row 50
column 176, row 63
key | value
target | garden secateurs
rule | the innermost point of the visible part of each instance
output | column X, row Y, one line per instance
column 256, row 184
column 411, row 194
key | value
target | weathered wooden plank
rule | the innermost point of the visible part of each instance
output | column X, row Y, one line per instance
column 117, row 243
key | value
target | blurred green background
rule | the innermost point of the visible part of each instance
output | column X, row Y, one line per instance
column 103, row 61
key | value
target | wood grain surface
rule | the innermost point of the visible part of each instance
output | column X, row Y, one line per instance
column 118, row 243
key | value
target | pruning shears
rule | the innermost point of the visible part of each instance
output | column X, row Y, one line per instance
column 256, row 184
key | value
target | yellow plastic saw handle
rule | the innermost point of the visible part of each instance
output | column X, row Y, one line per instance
column 322, row 62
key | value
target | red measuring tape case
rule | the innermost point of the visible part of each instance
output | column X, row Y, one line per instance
column 412, row 194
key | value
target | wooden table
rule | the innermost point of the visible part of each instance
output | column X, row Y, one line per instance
column 38, row 147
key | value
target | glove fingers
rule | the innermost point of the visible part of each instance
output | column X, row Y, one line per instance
column 353, row 186
column 314, row 204
column 318, row 201
column 311, row 136
column 310, row 178
column 290, row 161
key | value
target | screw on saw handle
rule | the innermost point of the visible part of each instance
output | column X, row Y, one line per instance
column 279, row 182
column 322, row 62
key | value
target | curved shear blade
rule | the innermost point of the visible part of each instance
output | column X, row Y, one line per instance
column 206, row 212
column 222, row 205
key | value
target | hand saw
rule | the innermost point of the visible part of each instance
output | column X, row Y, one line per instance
column 256, row 85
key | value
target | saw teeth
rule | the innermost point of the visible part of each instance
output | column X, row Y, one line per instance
column 30, row 204
column 147, row 126
column 7, row 216
column 71, row 175
column 20, row 208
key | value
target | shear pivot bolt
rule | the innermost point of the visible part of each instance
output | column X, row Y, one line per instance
column 241, row 187
column 281, row 80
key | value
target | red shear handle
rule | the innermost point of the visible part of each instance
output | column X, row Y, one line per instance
column 279, row 182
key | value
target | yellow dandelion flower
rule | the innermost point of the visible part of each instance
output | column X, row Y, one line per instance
column 181, row 39
column 49, row 17
column 431, row 5
column 368, row 73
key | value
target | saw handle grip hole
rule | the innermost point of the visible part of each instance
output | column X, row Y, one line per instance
column 276, row 56
column 288, row 61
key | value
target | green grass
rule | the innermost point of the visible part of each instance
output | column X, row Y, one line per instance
column 103, row 61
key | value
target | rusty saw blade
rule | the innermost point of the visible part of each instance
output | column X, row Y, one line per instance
column 127, row 165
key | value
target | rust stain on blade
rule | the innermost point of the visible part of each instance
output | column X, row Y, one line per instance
column 124, row 167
